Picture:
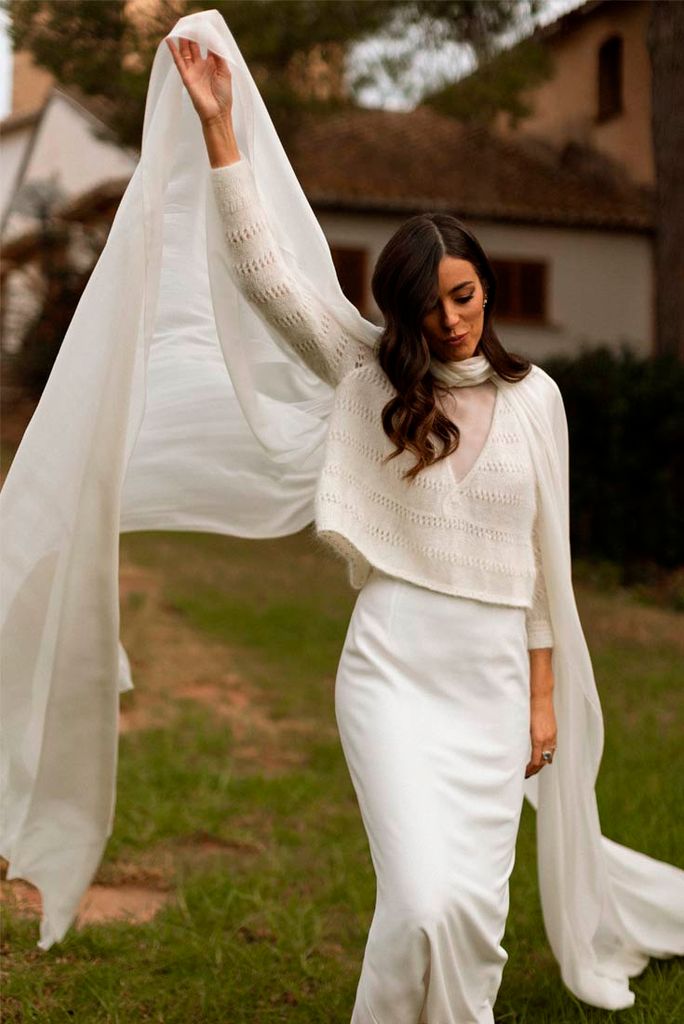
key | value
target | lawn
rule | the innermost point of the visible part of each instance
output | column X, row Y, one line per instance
column 234, row 803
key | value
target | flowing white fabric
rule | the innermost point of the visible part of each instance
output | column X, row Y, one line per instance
column 172, row 405
column 589, row 916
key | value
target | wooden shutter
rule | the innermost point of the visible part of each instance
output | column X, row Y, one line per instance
column 521, row 290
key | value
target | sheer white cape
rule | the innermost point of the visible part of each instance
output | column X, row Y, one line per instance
column 173, row 405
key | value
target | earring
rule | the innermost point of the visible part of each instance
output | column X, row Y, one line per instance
column 484, row 302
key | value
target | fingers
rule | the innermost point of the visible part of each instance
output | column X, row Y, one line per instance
column 220, row 62
column 536, row 762
column 185, row 54
column 193, row 49
column 189, row 50
column 176, row 57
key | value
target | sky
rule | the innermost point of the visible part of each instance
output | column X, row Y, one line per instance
column 5, row 67
column 429, row 70
column 426, row 71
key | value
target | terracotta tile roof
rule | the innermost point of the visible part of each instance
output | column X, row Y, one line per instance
column 403, row 162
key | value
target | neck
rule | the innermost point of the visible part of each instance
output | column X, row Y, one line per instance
column 462, row 372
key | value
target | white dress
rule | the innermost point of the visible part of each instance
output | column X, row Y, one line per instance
column 141, row 427
column 432, row 706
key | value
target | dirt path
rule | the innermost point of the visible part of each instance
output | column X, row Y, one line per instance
column 170, row 660
column 172, row 663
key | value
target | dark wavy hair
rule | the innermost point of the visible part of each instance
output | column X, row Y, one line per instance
column 405, row 286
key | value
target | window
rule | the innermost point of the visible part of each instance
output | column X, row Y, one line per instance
column 521, row 290
column 351, row 268
column 609, row 78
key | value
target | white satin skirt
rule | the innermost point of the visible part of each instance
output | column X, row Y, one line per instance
column 433, row 711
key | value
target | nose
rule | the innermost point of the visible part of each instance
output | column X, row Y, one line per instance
column 451, row 316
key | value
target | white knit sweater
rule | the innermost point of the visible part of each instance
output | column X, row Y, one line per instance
column 467, row 524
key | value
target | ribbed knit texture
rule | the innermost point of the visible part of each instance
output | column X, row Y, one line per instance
column 475, row 536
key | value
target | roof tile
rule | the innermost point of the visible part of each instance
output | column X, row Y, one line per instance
column 409, row 161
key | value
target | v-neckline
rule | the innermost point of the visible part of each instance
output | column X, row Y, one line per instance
column 483, row 450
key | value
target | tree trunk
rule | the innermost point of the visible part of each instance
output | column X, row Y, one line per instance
column 665, row 41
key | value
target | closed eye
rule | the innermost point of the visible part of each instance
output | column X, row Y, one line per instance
column 461, row 301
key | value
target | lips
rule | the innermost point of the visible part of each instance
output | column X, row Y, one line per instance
column 457, row 337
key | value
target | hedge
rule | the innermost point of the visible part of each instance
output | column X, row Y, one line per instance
column 626, row 427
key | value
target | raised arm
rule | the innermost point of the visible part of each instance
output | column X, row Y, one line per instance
column 282, row 296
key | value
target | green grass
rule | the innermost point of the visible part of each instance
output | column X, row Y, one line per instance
column 272, row 928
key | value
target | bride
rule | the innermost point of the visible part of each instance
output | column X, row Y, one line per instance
column 444, row 693
column 433, row 460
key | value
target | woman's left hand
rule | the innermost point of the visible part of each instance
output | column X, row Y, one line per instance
column 543, row 731
column 542, row 716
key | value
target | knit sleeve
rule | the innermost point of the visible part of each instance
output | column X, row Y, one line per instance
column 538, row 620
column 283, row 297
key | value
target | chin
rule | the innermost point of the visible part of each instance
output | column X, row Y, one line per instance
column 461, row 352
column 452, row 353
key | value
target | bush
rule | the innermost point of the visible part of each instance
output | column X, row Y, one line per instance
column 626, row 425
column 32, row 363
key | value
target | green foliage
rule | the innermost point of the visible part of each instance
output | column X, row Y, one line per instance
column 498, row 85
column 99, row 49
column 478, row 23
column 84, row 44
column 626, row 424
column 32, row 363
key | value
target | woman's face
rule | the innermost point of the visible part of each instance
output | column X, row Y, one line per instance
column 453, row 327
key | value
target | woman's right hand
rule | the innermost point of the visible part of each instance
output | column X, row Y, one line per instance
column 208, row 80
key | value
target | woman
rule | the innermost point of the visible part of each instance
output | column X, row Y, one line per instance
column 191, row 405
column 436, row 693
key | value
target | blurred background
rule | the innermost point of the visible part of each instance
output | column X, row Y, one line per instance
column 555, row 130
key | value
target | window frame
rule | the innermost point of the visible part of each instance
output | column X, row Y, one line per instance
column 610, row 70
column 516, row 316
